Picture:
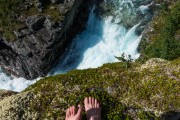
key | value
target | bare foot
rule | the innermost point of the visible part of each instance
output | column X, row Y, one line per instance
column 92, row 108
column 72, row 115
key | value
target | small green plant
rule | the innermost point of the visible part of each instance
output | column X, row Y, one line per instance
column 126, row 61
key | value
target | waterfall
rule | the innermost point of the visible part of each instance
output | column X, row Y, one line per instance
column 100, row 43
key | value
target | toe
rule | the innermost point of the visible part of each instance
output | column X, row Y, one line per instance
column 90, row 100
column 67, row 112
column 79, row 112
column 86, row 101
column 98, row 105
column 73, row 110
column 93, row 102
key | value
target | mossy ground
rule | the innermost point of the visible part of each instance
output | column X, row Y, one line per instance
column 148, row 90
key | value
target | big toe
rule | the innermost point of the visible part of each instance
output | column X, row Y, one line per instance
column 79, row 112
column 86, row 103
column 68, row 113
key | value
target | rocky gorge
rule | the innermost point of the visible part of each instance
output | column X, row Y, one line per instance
column 41, row 40
column 42, row 31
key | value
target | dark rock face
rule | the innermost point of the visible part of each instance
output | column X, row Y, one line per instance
column 41, row 42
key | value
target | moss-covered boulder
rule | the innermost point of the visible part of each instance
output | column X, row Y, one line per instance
column 148, row 91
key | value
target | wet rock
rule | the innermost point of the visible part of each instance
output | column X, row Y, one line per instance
column 141, row 2
column 128, row 13
column 143, row 25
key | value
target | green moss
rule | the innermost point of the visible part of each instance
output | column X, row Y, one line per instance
column 115, row 86
column 146, row 116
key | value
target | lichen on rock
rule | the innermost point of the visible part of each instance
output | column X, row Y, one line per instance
column 138, row 92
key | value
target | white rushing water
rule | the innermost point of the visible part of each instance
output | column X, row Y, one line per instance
column 99, row 43
column 9, row 82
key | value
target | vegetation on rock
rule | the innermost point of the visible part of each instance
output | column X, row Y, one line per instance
column 8, row 14
column 125, row 90
column 164, row 40
column 13, row 13
column 141, row 91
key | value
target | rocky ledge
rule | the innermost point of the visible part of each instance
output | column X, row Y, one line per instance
column 148, row 91
column 42, row 36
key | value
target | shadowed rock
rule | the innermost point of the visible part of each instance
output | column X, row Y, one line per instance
column 41, row 42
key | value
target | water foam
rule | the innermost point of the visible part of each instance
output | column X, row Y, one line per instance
column 100, row 43
column 10, row 82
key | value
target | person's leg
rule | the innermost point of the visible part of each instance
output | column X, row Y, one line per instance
column 72, row 115
column 92, row 108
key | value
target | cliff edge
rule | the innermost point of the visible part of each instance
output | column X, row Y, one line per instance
column 142, row 91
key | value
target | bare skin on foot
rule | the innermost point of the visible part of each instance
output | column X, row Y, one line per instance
column 92, row 108
column 72, row 115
